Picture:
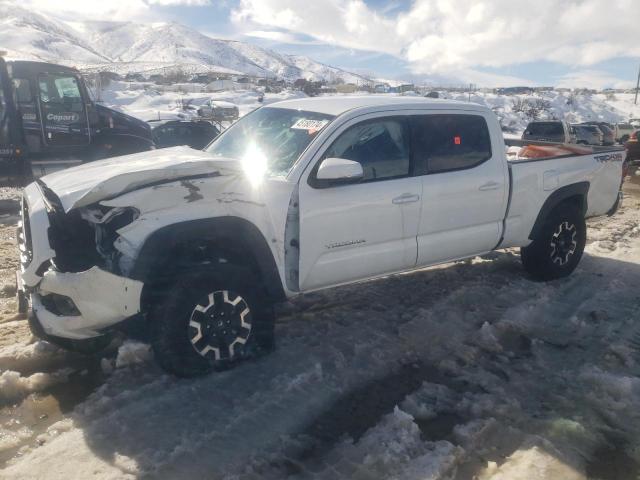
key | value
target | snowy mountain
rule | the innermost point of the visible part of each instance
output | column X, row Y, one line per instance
column 31, row 36
column 132, row 46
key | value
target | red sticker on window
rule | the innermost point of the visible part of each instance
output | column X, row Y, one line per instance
column 457, row 140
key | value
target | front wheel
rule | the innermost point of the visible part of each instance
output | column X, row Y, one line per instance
column 558, row 246
column 211, row 320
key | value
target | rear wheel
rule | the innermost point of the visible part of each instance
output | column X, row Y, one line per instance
column 212, row 320
column 558, row 246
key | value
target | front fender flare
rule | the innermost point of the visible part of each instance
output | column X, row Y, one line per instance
column 229, row 230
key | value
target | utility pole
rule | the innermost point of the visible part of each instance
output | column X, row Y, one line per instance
column 637, row 88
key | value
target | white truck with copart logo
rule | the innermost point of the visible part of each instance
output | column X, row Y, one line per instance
column 197, row 246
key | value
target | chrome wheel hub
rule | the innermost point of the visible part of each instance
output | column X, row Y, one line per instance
column 220, row 325
column 563, row 243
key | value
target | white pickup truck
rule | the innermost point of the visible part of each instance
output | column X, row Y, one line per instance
column 300, row 195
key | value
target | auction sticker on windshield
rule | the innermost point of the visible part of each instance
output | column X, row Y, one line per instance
column 311, row 126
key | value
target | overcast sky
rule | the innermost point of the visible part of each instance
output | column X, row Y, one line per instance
column 590, row 43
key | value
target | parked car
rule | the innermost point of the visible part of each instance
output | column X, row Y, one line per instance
column 177, row 132
column 607, row 131
column 623, row 131
column 633, row 146
column 219, row 111
column 588, row 134
column 298, row 196
column 554, row 131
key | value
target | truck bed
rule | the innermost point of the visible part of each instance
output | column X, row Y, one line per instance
column 530, row 150
column 540, row 168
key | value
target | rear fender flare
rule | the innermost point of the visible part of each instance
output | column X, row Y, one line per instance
column 578, row 190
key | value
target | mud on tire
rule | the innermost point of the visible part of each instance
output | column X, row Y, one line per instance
column 211, row 320
column 558, row 246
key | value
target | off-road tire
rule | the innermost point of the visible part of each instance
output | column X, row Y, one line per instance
column 558, row 246
column 188, row 341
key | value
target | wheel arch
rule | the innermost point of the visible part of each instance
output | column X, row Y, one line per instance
column 575, row 193
column 169, row 249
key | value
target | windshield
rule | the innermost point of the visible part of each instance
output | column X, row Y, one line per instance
column 274, row 136
column 545, row 128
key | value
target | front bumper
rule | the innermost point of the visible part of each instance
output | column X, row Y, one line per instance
column 102, row 300
column 91, row 300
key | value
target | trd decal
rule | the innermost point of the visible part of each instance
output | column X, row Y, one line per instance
column 612, row 157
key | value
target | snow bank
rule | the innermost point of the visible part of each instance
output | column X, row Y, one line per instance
column 132, row 353
column 13, row 438
column 394, row 449
column 13, row 386
column 532, row 463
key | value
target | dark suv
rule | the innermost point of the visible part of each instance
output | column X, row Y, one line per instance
column 178, row 132
column 607, row 131
column 554, row 131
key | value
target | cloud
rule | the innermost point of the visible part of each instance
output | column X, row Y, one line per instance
column 446, row 36
column 592, row 79
column 101, row 9
column 188, row 3
column 280, row 37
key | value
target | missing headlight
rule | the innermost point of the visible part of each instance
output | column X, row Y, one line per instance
column 60, row 305
column 106, row 223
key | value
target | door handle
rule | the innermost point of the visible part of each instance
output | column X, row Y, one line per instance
column 489, row 186
column 406, row 198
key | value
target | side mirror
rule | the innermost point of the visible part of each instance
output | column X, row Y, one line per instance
column 338, row 171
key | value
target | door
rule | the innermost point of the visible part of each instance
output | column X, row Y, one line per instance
column 28, row 112
column 464, row 186
column 355, row 231
column 10, row 132
column 63, row 112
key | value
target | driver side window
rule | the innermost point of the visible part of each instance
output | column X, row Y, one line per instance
column 61, row 91
column 381, row 146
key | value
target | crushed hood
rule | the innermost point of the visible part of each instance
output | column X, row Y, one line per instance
column 92, row 182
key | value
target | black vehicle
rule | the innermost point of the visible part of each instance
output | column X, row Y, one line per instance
column 48, row 121
column 181, row 132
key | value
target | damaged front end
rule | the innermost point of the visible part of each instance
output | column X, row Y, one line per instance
column 70, row 267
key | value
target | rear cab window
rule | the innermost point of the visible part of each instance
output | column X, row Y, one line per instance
column 545, row 128
column 449, row 142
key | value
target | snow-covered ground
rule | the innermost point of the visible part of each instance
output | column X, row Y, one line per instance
column 460, row 371
column 149, row 102
column 574, row 108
